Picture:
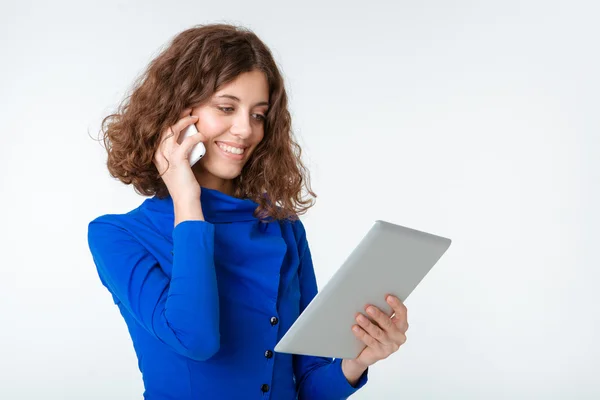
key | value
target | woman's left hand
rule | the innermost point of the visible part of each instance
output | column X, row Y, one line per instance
column 382, row 338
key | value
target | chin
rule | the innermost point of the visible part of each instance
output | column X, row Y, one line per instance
column 222, row 169
column 225, row 173
column 229, row 176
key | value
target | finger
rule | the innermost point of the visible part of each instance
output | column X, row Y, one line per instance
column 364, row 337
column 382, row 319
column 401, row 322
column 185, row 112
column 373, row 330
column 188, row 144
column 401, row 340
column 195, row 138
column 163, row 147
column 165, row 134
column 402, row 325
column 181, row 125
column 392, row 328
column 399, row 308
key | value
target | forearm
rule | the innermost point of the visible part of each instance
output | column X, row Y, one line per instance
column 192, row 304
column 181, row 309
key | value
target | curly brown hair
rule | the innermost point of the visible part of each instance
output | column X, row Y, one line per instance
column 195, row 64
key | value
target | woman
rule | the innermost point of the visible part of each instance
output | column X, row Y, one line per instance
column 212, row 270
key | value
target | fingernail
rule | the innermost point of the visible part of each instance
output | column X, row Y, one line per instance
column 371, row 310
column 391, row 300
column 194, row 116
column 355, row 329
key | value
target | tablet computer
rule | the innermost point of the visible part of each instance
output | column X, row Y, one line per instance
column 390, row 259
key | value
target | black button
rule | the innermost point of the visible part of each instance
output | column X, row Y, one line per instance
column 274, row 321
column 268, row 354
column 264, row 388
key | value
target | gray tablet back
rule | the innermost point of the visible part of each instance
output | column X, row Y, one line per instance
column 390, row 259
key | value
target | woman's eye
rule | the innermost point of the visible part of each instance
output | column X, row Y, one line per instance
column 258, row 117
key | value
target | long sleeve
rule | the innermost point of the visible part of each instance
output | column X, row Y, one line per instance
column 181, row 311
column 318, row 378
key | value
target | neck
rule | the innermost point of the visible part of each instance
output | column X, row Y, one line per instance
column 213, row 182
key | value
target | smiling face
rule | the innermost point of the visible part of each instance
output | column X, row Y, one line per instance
column 232, row 122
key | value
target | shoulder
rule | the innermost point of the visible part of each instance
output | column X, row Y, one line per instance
column 295, row 225
column 299, row 232
column 116, row 239
column 117, row 226
column 299, row 229
column 114, row 221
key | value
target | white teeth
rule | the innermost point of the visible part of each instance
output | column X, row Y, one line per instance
column 230, row 149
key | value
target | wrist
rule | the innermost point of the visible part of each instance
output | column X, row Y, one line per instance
column 187, row 210
column 353, row 370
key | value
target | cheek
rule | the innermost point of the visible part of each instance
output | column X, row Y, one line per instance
column 260, row 137
column 210, row 125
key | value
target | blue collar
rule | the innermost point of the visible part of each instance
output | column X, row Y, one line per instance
column 217, row 207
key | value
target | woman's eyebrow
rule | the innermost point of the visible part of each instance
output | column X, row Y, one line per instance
column 232, row 97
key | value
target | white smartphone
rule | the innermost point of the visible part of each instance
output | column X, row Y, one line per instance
column 198, row 150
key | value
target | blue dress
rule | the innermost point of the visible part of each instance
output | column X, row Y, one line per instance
column 206, row 302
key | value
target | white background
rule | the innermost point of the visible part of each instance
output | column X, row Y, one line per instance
column 476, row 121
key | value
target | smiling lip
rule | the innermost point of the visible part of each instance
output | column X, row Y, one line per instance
column 233, row 144
column 237, row 157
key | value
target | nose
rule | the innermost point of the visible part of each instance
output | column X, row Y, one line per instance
column 242, row 126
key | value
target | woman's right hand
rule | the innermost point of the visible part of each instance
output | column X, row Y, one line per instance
column 172, row 160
